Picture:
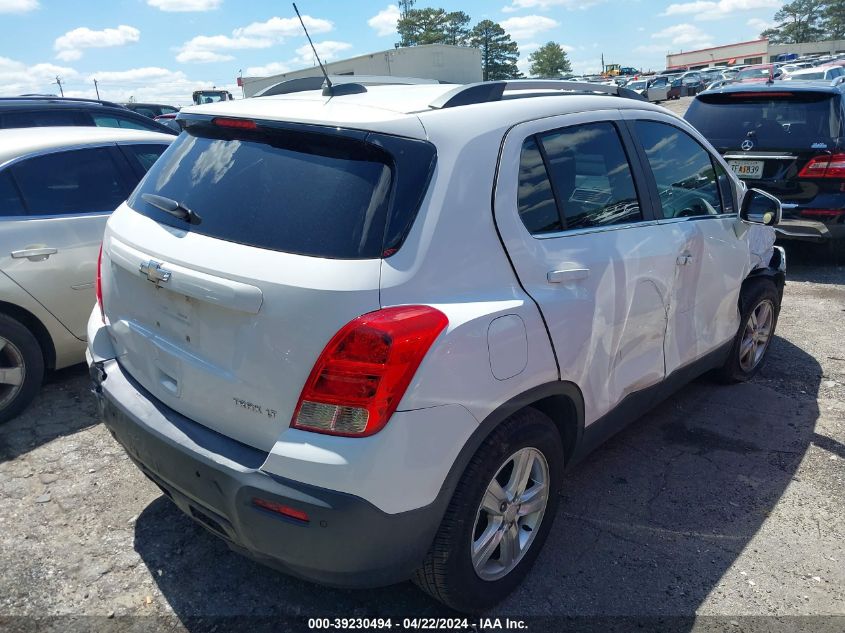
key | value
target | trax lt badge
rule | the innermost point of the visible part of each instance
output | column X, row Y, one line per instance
column 154, row 272
column 747, row 144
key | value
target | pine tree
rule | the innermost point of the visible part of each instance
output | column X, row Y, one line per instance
column 798, row 21
column 498, row 51
column 550, row 61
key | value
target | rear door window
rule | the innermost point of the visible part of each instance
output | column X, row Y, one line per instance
column 536, row 202
column 683, row 171
column 113, row 120
column 143, row 156
column 591, row 176
column 770, row 120
column 73, row 182
column 10, row 200
column 306, row 193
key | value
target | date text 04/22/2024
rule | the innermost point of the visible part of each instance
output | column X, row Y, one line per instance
column 418, row 624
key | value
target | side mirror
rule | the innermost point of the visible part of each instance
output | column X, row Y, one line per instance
column 759, row 207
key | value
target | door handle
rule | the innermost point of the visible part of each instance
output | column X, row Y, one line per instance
column 563, row 276
column 34, row 254
column 685, row 259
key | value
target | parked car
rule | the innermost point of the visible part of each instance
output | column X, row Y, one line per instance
column 339, row 387
column 654, row 89
column 150, row 110
column 818, row 73
column 674, row 89
column 170, row 121
column 17, row 112
column 787, row 140
column 759, row 73
column 57, row 187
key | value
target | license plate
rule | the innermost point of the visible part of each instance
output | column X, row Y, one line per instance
column 747, row 168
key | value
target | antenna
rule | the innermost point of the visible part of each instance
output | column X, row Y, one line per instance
column 313, row 48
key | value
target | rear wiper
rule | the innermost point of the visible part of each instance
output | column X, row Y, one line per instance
column 174, row 208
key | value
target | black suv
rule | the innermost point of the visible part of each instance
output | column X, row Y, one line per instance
column 52, row 111
column 787, row 138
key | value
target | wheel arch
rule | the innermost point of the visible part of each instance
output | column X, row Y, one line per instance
column 561, row 401
column 34, row 325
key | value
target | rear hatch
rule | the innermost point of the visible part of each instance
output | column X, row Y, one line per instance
column 769, row 138
column 222, row 311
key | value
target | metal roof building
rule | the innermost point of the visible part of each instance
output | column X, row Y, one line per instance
column 753, row 52
column 453, row 64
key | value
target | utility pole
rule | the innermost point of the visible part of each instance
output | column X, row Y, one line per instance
column 97, row 89
column 59, row 82
column 602, row 62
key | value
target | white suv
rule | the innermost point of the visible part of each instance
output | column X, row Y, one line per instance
column 360, row 336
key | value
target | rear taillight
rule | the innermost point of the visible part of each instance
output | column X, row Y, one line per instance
column 363, row 372
column 824, row 166
column 99, row 284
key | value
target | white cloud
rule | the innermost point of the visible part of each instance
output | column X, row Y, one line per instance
column 217, row 48
column 326, row 50
column 18, row 78
column 544, row 5
column 279, row 28
column 18, row 6
column 710, row 10
column 760, row 25
column 185, row 5
column 384, row 22
column 207, row 48
column 273, row 68
column 71, row 45
column 527, row 26
column 680, row 36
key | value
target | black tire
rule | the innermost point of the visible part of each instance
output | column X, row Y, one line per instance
column 755, row 292
column 448, row 573
column 20, row 348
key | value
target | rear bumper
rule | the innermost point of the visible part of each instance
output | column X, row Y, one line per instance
column 809, row 230
column 213, row 479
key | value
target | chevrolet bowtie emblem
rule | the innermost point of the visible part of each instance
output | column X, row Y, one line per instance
column 154, row 272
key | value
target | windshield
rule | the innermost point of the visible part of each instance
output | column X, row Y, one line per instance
column 772, row 121
column 636, row 85
column 305, row 193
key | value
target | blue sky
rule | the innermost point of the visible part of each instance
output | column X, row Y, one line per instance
column 162, row 50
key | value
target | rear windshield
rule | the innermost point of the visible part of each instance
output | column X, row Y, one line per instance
column 304, row 193
column 792, row 121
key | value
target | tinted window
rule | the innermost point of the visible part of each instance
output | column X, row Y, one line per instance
column 685, row 177
column 311, row 194
column 78, row 181
column 144, row 155
column 39, row 118
column 537, row 206
column 10, row 201
column 786, row 121
column 591, row 176
column 111, row 120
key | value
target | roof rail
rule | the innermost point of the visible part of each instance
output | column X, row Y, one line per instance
column 316, row 82
column 59, row 99
column 488, row 91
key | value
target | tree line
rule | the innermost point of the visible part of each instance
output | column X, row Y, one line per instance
column 808, row 21
column 499, row 53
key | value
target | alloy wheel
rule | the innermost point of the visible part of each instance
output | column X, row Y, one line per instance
column 757, row 335
column 12, row 372
column 510, row 514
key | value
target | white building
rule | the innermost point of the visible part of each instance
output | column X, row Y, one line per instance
column 453, row 64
